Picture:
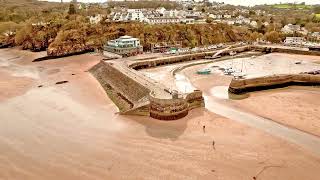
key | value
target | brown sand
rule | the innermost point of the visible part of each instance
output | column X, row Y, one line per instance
column 72, row 131
column 295, row 107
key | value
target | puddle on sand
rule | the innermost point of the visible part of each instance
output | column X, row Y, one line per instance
column 222, row 92
column 183, row 84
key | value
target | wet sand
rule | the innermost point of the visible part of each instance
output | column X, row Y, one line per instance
column 295, row 107
column 72, row 131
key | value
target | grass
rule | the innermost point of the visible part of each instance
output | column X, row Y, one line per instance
column 291, row 6
column 318, row 16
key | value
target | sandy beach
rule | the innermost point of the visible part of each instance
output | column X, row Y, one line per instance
column 295, row 106
column 72, row 131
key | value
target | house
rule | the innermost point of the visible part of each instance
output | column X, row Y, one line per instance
column 242, row 20
column 230, row 22
column 95, row 19
column 265, row 23
column 188, row 20
column 40, row 24
column 171, row 13
column 128, row 15
column 294, row 41
column 81, row 6
column 215, row 16
column 125, row 46
column 163, row 20
column 9, row 33
column 254, row 24
column 315, row 36
column 161, row 10
column 291, row 29
column 135, row 15
column 227, row 16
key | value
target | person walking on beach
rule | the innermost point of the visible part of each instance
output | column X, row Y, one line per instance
column 204, row 128
column 213, row 143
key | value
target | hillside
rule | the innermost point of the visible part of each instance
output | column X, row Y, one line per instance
column 291, row 6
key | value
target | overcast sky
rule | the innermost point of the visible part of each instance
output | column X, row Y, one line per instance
column 234, row 2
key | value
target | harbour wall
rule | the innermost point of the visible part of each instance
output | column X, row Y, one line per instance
column 135, row 98
column 271, row 49
column 123, row 90
column 182, row 58
column 175, row 108
column 239, row 86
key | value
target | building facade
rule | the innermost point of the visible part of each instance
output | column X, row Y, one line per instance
column 295, row 41
column 125, row 46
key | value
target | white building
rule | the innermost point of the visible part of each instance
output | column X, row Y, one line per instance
column 125, row 45
column 254, row 24
column 227, row 16
column 230, row 22
column 161, row 10
column 95, row 19
column 163, row 20
column 215, row 16
column 188, row 20
column 294, row 41
column 291, row 29
column 265, row 23
column 8, row 33
column 315, row 36
column 135, row 15
column 128, row 15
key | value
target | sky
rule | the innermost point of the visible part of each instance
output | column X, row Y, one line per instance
column 234, row 2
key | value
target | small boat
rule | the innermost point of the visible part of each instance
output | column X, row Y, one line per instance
column 204, row 71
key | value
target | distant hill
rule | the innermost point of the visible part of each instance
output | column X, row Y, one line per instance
column 292, row 6
column 25, row 3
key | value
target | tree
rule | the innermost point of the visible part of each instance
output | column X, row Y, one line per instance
column 251, row 13
column 271, row 20
column 72, row 9
column 255, row 35
column 284, row 21
column 209, row 20
column 316, row 9
column 273, row 37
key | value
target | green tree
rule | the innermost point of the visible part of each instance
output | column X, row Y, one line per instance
column 72, row 9
column 316, row 9
column 209, row 20
column 273, row 37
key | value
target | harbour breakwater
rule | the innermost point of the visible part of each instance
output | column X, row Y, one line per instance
column 288, row 50
column 240, row 86
column 135, row 94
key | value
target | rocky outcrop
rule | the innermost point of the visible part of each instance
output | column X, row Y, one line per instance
column 68, row 49
column 7, row 41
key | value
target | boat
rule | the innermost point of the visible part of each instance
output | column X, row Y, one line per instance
column 204, row 71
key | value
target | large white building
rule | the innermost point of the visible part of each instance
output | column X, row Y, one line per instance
column 125, row 45
column 291, row 29
column 295, row 41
